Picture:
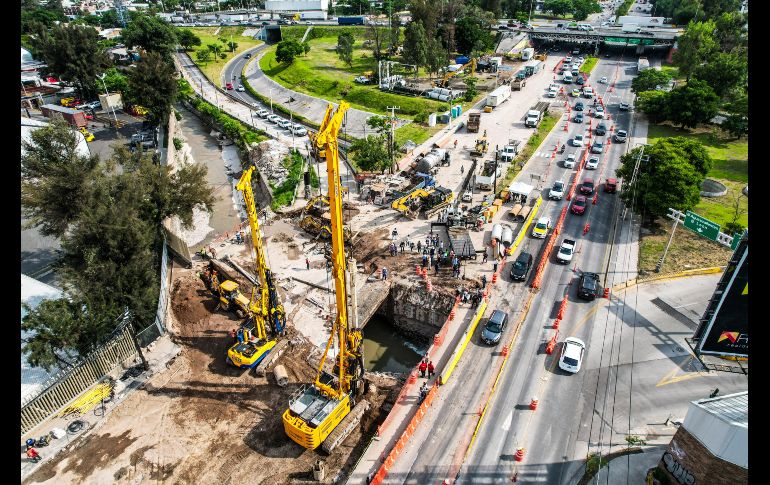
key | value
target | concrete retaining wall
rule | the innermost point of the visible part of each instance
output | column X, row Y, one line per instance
column 414, row 312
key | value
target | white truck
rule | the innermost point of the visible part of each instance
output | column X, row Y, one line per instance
column 509, row 151
column 499, row 95
column 566, row 250
column 527, row 53
column 642, row 64
column 631, row 28
column 535, row 115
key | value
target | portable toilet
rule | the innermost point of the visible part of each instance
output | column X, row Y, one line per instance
column 432, row 119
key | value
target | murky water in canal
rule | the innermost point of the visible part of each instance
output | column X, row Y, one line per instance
column 387, row 351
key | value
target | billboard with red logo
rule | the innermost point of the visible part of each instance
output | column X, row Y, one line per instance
column 726, row 332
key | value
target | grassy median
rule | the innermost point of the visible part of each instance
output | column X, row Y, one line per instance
column 537, row 138
column 213, row 68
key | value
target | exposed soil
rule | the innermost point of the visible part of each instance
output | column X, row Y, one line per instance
column 204, row 421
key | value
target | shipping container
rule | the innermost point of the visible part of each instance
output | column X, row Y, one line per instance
column 74, row 117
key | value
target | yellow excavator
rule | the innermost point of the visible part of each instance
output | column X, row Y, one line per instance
column 266, row 316
column 326, row 411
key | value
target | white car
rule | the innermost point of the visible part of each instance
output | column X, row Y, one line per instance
column 540, row 230
column 572, row 355
column 298, row 130
column 284, row 123
column 241, row 88
column 599, row 112
column 570, row 161
column 551, row 93
column 603, row 80
column 592, row 163
column 361, row 79
column 263, row 113
column 567, row 59
column 557, row 191
column 577, row 141
column 273, row 118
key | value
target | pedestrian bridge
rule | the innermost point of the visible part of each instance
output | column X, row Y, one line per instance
column 654, row 38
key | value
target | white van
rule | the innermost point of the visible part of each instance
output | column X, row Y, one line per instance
column 568, row 78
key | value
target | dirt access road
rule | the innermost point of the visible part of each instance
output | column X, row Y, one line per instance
column 203, row 421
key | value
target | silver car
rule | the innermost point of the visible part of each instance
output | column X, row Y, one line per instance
column 273, row 118
column 493, row 330
column 284, row 123
column 263, row 113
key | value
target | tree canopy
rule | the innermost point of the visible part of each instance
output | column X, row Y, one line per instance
column 72, row 54
column 696, row 45
column 153, row 86
column 692, row 104
column 648, row 79
column 287, row 50
column 371, row 153
column 345, row 48
column 151, row 34
column 723, row 72
column 416, row 44
column 187, row 38
column 472, row 33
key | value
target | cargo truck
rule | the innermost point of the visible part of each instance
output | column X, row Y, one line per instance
column 350, row 20
column 74, row 117
column 486, row 180
column 642, row 64
column 474, row 120
column 535, row 115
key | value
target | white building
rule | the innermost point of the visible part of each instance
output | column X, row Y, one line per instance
column 28, row 125
column 308, row 9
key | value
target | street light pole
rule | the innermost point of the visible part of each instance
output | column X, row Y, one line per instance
column 106, row 93
column 271, row 101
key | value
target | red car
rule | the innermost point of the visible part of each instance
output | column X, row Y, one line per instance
column 229, row 86
column 579, row 205
column 587, row 188
column 611, row 186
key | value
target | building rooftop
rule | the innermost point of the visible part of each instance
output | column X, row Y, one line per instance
column 731, row 408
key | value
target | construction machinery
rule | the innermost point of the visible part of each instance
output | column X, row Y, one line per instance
column 326, row 411
column 315, row 218
column 481, row 147
column 266, row 315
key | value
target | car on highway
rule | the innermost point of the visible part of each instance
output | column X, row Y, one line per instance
column 557, row 191
column 588, row 286
column 578, row 118
column 577, row 141
column 298, row 130
column 247, row 56
column 620, row 136
column 572, row 355
column 273, row 118
column 262, row 113
column 579, row 205
column 520, row 267
column 575, row 92
column 229, row 86
column 611, row 185
column 283, row 123
column 603, row 80
column 265, row 23
column 568, row 59
column 570, row 161
column 580, row 80
column 601, row 129
column 624, row 106
column 552, row 92
column 542, row 225
column 494, row 327
column 241, row 88
column 567, row 78
column 597, row 147
column 587, row 187
column 308, row 22
column 579, row 106
column 592, row 163
column 588, row 92
column 599, row 111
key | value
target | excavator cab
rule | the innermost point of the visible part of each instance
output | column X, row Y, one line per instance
column 249, row 349
column 232, row 299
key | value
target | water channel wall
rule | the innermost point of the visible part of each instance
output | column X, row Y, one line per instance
column 415, row 312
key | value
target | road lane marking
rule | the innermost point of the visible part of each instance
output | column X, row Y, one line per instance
column 506, row 426
column 672, row 376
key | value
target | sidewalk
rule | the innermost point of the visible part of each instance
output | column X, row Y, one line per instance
column 159, row 354
column 404, row 409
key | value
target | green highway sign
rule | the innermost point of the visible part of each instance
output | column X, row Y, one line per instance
column 701, row 225
column 736, row 239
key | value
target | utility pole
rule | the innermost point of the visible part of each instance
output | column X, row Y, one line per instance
column 391, row 134
column 665, row 251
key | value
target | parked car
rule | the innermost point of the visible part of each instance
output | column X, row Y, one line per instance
column 572, row 355
column 579, row 205
column 597, row 147
column 540, row 230
column 263, row 113
column 494, row 327
column 579, row 106
column 601, row 129
column 577, row 141
column 588, row 286
column 570, row 161
column 587, row 187
column 578, row 118
column 592, row 163
column 620, row 136
column 273, row 118
column 520, row 267
column 557, row 191
column 298, row 130
column 283, row 123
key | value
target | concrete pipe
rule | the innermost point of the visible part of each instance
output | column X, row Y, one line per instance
column 281, row 377
column 319, row 470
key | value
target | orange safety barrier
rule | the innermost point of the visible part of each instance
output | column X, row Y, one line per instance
column 551, row 343
column 556, row 323
column 586, row 228
column 562, row 307
column 533, row 403
column 543, row 260
column 606, row 293
column 596, row 198
column 494, row 277
column 519, row 454
column 504, row 352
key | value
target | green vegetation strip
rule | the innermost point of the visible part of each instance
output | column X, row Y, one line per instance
column 589, row 64
column 623, row 8
column 284, row 193
column 213, row 69
column 542, row 131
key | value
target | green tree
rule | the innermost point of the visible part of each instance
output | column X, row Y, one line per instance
column 153, row 86
column 581, row 9
column 371, row 153
column 732, row 31
column 472, row 33
column 671, row 177
column 187, row 39
column 687, row 11
column 287, row 50
column 72, row 54
column 737, row 122
column 696, row 45
column 151, row 34
column 415, row 44
column 305, row 47
column 345, row 48
column 41, row 16
column 53, row 177
column 715, row 8
column 438, row 56
column 425, row 12
column 653, row 104
column 214, row 50
column 559, row 8
column 471, row 91
column 203, row 56
column 109, row 19
column 648, row 79
column 723, row 72
column 692, row 104
column 117, row 82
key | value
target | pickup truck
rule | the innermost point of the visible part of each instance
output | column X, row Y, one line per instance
column 509, row 152
column 566, row 250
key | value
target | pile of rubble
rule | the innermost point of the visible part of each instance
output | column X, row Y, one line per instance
column 269, row 156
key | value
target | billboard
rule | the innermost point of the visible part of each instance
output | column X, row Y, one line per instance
column 727, row 330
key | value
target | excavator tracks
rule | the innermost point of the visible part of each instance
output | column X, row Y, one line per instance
column 346, row 426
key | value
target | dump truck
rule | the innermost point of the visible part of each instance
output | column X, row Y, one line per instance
column 535, row 115
column 474, row 121
column 518, row 83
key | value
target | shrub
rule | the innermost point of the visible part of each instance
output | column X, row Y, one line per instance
column 178, row 143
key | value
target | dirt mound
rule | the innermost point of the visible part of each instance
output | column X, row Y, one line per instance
column 191, row 302
column 280, row 237
column 371, row 246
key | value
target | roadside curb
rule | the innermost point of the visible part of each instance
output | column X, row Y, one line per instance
column 681, row 274
column 235, row 58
